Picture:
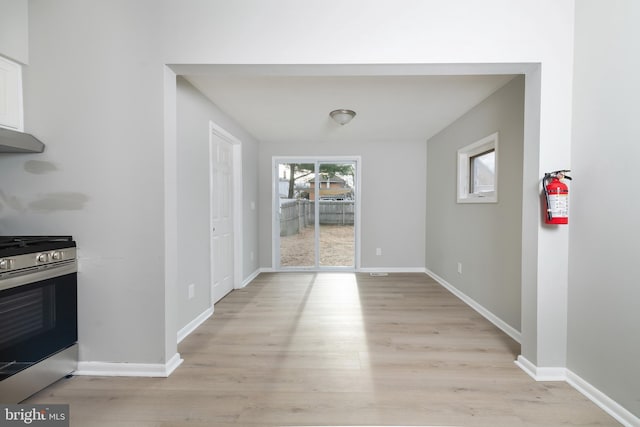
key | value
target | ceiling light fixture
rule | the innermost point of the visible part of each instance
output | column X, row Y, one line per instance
column 342, row 117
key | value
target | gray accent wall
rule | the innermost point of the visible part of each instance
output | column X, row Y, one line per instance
column 485, row 238
column 604, row 290
column 194, row 113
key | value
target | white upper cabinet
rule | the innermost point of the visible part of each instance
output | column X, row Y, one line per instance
column 10, row 95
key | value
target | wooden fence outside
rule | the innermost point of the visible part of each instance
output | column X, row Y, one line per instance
column 297, row 214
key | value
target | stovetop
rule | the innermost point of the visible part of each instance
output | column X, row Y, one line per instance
column 19, row 245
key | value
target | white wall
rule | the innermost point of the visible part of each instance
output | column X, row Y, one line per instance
column 194, row 113
column 14, row 30
column 393, row 174
column 604, row 341
column 485, row 238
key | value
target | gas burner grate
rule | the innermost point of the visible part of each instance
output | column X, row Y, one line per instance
column 24, row 241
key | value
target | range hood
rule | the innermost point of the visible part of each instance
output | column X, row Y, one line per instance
column 12, row 141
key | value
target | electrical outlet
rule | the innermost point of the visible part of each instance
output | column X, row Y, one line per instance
column 251, row 255
column 192, row 291
column 459, row 268
column 378, row 251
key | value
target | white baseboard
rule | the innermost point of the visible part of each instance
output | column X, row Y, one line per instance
column 528, row 367
column 252, row 276
column 391, row 270
column 173, row 364
column 607, row 404
column 193, row 325
column 110, row 369
column 501, row 324
column 542, row 373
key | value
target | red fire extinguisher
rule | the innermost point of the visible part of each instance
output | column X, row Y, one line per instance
column 557, row 197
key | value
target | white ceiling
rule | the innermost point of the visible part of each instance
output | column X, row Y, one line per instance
column 295, row 108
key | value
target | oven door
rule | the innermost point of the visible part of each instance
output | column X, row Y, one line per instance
column 37, row 319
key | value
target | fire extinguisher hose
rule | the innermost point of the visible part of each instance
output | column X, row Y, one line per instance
column 545, row 182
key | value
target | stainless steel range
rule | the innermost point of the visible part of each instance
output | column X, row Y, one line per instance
column 38, row 313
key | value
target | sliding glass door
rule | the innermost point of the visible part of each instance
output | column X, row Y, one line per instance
column 315, row 203
column 296, row 216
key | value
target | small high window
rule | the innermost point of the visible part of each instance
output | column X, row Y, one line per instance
column 478, row 171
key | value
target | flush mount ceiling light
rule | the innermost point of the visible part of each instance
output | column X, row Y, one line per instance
column 342, row 117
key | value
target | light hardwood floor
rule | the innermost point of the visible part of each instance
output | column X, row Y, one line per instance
column 334, row 349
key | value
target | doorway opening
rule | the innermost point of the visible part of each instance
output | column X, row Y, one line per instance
column 316, row 207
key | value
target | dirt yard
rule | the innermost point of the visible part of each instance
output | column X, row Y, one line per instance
column 336, row 247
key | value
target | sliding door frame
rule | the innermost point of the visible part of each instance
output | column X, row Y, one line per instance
column 275, row 206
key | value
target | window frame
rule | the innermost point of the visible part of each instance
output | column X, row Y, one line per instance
column 465, row 154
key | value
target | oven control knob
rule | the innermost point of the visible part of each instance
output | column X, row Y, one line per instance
column 6, row 264
column 56, row 255
column 42, row 257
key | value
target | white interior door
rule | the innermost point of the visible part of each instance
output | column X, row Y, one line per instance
column 222, row 249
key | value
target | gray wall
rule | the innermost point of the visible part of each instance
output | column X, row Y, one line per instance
column 604, row 294
column 485, row 238
column 193, row 201
column 390, row 171
column 194, row 112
